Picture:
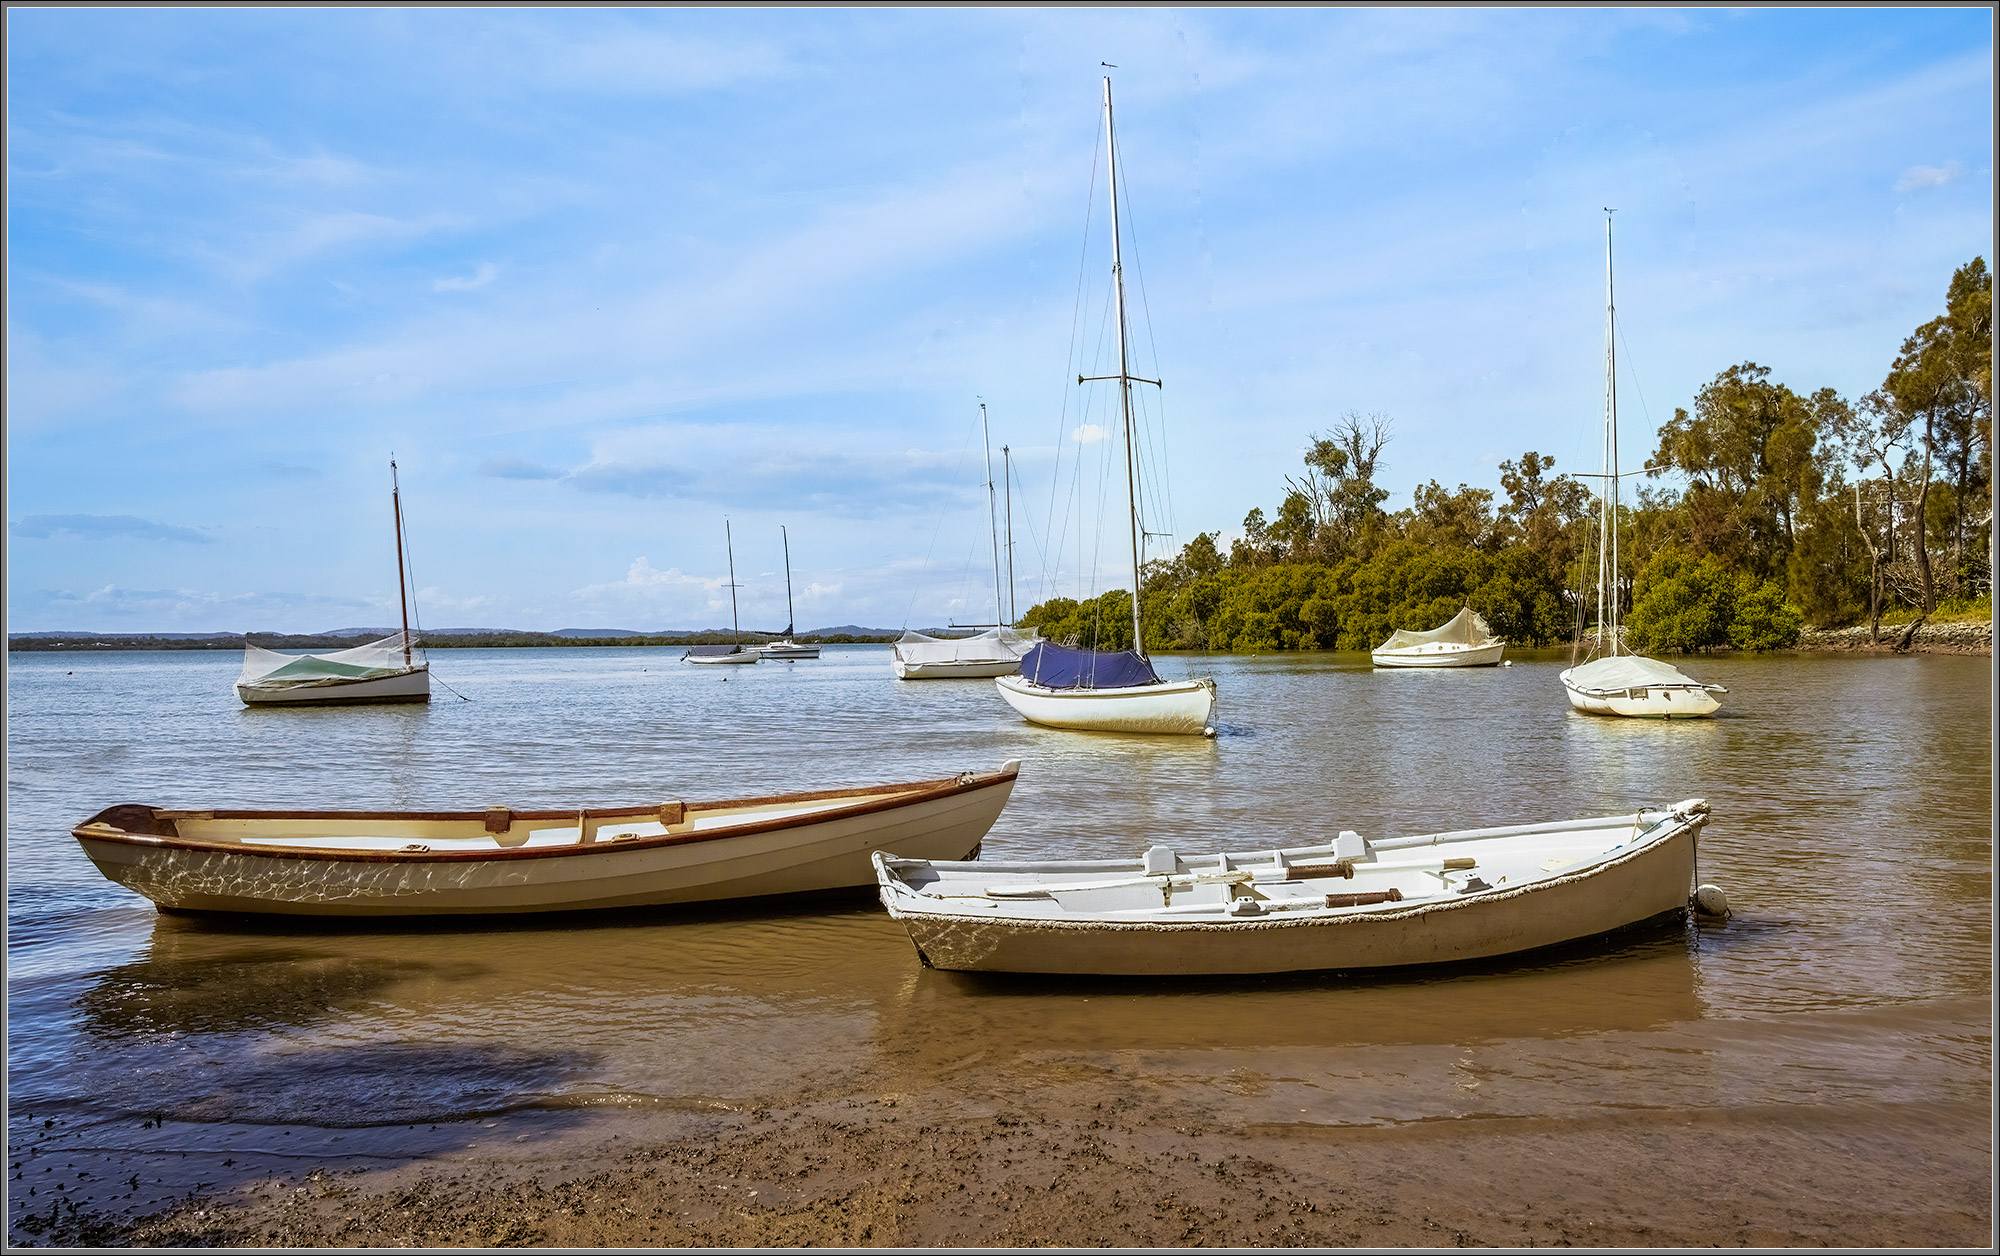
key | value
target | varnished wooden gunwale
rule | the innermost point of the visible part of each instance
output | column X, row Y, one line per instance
column 905, row 795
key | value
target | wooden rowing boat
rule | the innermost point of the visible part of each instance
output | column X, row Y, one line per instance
column 499, row 860
column 1348, row 904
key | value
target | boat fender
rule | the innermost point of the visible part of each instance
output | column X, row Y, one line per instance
column 672, row 812
column 1161, row 861
column 1367, row 899
column 499, row 819
column 1709, row 900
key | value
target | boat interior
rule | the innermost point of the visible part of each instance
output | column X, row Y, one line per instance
column 1350, row 874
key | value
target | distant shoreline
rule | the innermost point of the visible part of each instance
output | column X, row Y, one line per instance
column 455, row 641
column 1951, row 637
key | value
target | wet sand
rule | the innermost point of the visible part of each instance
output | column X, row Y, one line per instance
column 921, row 1169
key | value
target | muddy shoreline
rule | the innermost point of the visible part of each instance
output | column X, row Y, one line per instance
column 922, row 1170
column 1968, row 637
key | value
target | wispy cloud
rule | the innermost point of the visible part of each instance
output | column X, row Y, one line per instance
column 1929, row 176
column 479, row 278
column 104, row 528
column 515, row 467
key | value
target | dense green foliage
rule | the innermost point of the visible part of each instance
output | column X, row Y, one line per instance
column 1768, row 508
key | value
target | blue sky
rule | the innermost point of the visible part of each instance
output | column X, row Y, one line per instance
column 599, row 279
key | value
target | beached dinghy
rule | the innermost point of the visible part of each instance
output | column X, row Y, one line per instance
column 449, row 863
column 1352, row 903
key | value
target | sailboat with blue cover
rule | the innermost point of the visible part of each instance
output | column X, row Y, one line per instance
column 1114, row 691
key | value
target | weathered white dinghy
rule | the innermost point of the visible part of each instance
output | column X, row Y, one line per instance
column 1465, row 641
column 1352, row 903
column 451, row 863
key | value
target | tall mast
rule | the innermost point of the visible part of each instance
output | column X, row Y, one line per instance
column 992, row 516
column 1610, row 497
column 790, row 619
column 735, row 629
column 1124, row 365
column 402, row 585
column 1007, row 480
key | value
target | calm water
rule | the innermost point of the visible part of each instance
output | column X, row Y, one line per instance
column 1852, row 800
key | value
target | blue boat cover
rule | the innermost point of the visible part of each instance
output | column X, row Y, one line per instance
column 1061, row 667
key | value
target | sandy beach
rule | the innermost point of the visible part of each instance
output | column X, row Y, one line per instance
column 1127, row 1169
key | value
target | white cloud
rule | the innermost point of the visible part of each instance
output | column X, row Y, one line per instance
column 479, row 278
column 1088, row 434
column 1917, row 177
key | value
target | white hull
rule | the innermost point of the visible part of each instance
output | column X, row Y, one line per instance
column 970, row 670
column 1441, row 655
column 445, row 863
column 746, row 656
column 1263, row 912
column 411, row 686
column 1183, row 707
column 1659, row 702
column 788, row 650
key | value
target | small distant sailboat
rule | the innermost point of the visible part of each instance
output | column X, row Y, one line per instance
column 725, row 653
column 1619, row 682
column 785, row 647
column 390, row 670
column 1111, row 691
column 995, row 652
column 1464, row 641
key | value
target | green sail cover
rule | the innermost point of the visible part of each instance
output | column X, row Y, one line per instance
column 268, row 669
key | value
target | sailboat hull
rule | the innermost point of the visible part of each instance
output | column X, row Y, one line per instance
column 1178, row 707
column 1441, row 654
column 1658, row 702
column 788, row 650
column 411, row 686
column 746, row 656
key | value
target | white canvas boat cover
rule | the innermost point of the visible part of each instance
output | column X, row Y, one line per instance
column 1465, row 628
column 1626, row 671
column 268, row 669
column 995, row 645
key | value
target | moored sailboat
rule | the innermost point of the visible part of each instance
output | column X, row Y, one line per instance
column 1111, row 691
column 735, row 653
column 393, row 669
column 994, row 652
column 1618, row 682
column 785, row 647
column 1463, row 641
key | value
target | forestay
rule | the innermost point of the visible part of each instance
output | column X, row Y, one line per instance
column 391, row 656
column 1063, row 667
column 1465, row 628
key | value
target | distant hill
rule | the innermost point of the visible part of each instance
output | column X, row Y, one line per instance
column 435, row 638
